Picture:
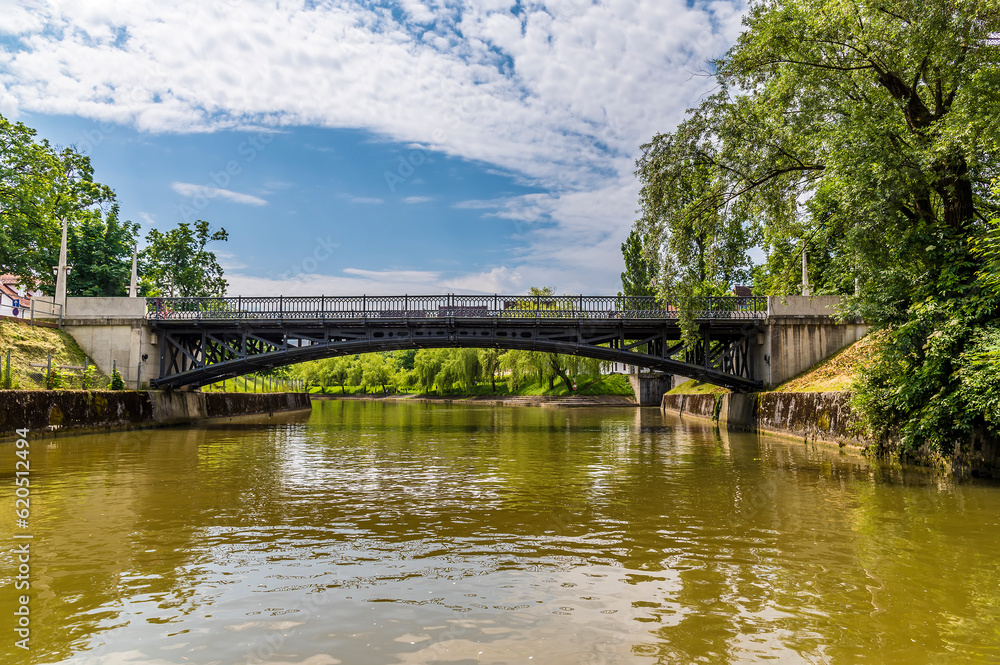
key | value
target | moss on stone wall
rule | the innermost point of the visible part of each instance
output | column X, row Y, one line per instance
column 54, row 410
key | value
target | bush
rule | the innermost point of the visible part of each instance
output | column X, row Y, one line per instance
column 117, row 382
column 89, row 377
column 55, row 380
column 934, row 381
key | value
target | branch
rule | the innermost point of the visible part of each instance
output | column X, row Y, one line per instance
column 816, row 65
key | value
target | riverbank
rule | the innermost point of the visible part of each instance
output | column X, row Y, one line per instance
column 502, row 400
column 826, row 418
column 605, row 385
column 60, row 412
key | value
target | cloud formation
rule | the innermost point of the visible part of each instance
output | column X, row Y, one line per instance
column 560, row 93
column 197, row 192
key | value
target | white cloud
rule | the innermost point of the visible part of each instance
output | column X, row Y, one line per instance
column 208, row 193
column 418, row 199
column 229, row 262
column 561, row 94
column 556, row 93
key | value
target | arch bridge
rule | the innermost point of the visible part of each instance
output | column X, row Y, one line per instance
column 204, row 340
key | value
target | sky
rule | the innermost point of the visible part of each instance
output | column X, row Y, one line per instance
column 371, row 146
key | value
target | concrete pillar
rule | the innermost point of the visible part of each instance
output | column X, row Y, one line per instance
column 798, row 333
column 62, row 271
column 739, row 410
column 649, row 387
column 133, row 283
column 115, row 332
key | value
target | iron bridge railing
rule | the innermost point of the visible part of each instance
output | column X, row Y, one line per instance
column 448, row 306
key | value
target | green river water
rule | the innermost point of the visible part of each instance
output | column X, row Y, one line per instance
column 396, row 532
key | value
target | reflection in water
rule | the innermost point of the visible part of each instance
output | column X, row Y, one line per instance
column 420, row 533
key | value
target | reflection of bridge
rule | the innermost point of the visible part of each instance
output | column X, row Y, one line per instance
column 202, row 340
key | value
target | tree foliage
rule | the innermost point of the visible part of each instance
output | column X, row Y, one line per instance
column 640, row 266
column 865, row 124
column 39, row 187
column 448, row 370
column 867, row 133
column 178, row 263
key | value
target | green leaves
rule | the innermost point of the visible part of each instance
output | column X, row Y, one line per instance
column 872, row 125
column 640, row 267
column 869, row 135
column 177, row 263
column 100, row 251
column 39, row 187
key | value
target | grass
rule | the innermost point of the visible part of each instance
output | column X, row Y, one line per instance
column 694, row 387
column 836, row 373
column 31, row 345
column 609, row 384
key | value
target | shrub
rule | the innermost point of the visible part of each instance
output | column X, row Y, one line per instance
column 117, row 382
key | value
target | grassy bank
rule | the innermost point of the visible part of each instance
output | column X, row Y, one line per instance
column 835, row 374
column 694, row 387
column 29, row 348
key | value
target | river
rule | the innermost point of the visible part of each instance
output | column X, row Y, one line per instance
column 399, row 532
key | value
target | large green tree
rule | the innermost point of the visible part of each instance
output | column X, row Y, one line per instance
column 867, row 133
column 640, row 266
column 178, row 263
column 872, row 124
column 39, row 187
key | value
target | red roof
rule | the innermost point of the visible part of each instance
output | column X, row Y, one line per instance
column 8, row 284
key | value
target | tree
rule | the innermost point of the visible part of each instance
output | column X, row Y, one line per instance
column 489, row 363
column 177, row 263
column 427, row 364
column 100, row 251
column 377, row 369
column 868, row 133
column 640, row 266
column 39, row 187
column 355, row 370
column 867, row 123
column 337, row 372
column 468, row 370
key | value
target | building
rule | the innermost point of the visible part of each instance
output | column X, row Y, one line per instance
column 11, row 292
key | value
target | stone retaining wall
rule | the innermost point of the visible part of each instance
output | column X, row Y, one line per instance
column 82, row 410
column 824, row 417
column 815, row 416
column 700, row 406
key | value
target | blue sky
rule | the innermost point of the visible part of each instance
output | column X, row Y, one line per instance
column 348, row 147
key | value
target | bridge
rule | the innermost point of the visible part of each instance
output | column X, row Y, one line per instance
column 744, row 343
column 204, row 340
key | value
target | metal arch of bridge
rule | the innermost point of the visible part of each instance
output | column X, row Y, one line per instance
column 204, row 340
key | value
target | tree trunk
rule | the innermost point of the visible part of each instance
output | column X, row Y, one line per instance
column 554, row 362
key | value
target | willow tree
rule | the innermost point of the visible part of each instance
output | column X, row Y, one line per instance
column 867, row 132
